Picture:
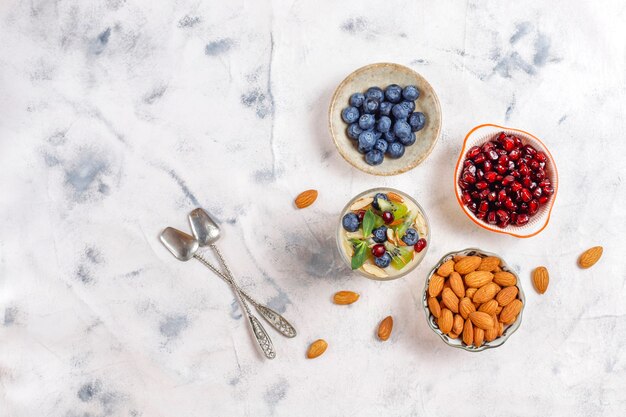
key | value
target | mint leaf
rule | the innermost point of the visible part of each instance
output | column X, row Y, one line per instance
column 360, row 253
column 369, row 221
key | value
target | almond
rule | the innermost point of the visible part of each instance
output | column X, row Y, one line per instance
column 456, row 284
column 453, row 335
column 491, row 333
column 316, row 349
column 385, row 327
column 485, row 293
column 506, row 295
column 489, row 307
column 467, row 264
column 445, row 321
column 374, row 270
column 435, row 285
column 306, row 198
column 469, row 293
column 345, row 297
column 450, row 300
column 466, row 307
column 541, row 279
column 457, row 324
column 481, row 320
column 510, row 311
column 434, row 307
column 589, row 257
column 490, row 263
column 478, row 279
column 500, row 329
column 499, row 309
column 457, row 258
column 361, row 203
column 504, row 279
column 446, row 268
column 479, row 336
column 468, row 333
column 395, row 197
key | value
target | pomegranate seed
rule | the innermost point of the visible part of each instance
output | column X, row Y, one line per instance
column 522, row 219
column 501, row 136
column 493, row 155
column 510, row 205
column 501, row 169
column 502, row 195
column 483, row 194
column 508, row 144
column 473, row 152
column 537, row 192
column 543, row 199
column 468, row 178
column 463, row 185
column 526, row 195
column 502, row 152
column 526, row 181
column 514, row 217
column 471, row 169
column 503, row 160
column 544, row 182
column 487, row 166
column 517, row 141
column 533, row 206
column 514, row 154
column 541, row 157
column 548, row 190
column 378, row 250
column 490, row 176
column 388, row 217
column 480, row 174
column 472, row 207
column 420, row 245
column 540, row 174
column 483, row 207
column 516, row 186
column 466, row 197
column 475, row 195
column 480, row 158
column 360, row 214
column 481, row 185
column 534, row 164
column 529, row 150
column 492, row 196
column 488, row 146
column 502, row 215
column 491, row 217
column 481, row 215
column 523, row 169
column 508, row 180
column 467, row 163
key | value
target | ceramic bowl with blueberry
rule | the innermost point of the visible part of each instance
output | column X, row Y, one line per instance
column 383, row 234
column 385, row 119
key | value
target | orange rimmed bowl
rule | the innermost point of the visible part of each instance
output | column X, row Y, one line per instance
column 486, row 132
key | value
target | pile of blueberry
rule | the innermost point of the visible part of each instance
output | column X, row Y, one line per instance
column 383, row 122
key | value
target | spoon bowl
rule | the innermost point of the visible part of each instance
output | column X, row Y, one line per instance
column 204, row 229
column 180, row 244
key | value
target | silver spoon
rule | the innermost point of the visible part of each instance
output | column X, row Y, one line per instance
column 207, row 232
column 184, row 247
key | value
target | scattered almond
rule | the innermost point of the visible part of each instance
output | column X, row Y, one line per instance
column 509, row 312
column 457, row 324
column 481, row 320
column 478, row 279
column 385, row 327
column 345, row 297
column 489, row 307
column 456, row 284
column 485, row 293
column 435, row 285
column 450, row 300
column 541, row 279
column 306, row 198
column 445, row 321
column 506, row 295
column 589, row 257
column 434, row 307
column 446, row 268
column 504, row 279
column 490, row 263
column 466, row 307
column 316, row 349
column 467, row 264
column 395, row 197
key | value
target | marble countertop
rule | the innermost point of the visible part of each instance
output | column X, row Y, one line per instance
column 120, row 116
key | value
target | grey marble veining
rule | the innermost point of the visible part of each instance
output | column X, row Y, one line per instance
column 120, row 116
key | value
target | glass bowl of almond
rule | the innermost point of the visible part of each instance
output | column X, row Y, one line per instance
column 383, row 234
column 473, row 300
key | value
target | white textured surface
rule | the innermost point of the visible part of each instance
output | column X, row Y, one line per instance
column 119, row 117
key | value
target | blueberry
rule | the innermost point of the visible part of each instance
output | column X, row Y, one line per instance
column 408, row 141
column 409, row 105
column 376, row 197
column 380, row 234
column 401, row 129
column 350, row 114
column 393, row 93
column 356, row 99
column 383, row 261
column 384, row 108
column 399, row 111
column 367, row 121
column 374, row 157
column 375, row 93
column 410, row 92
column 395, row 150
column 370, row 105
column 410, row 237
column 389, row 136
column 350, row 222
column 417, row 121
column 367, row 140
column 354, row 131
column 384, row 124
column 381, row 145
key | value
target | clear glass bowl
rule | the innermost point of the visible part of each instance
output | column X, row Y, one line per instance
column 340, row 234
column 458, row 343
column 484, row 133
